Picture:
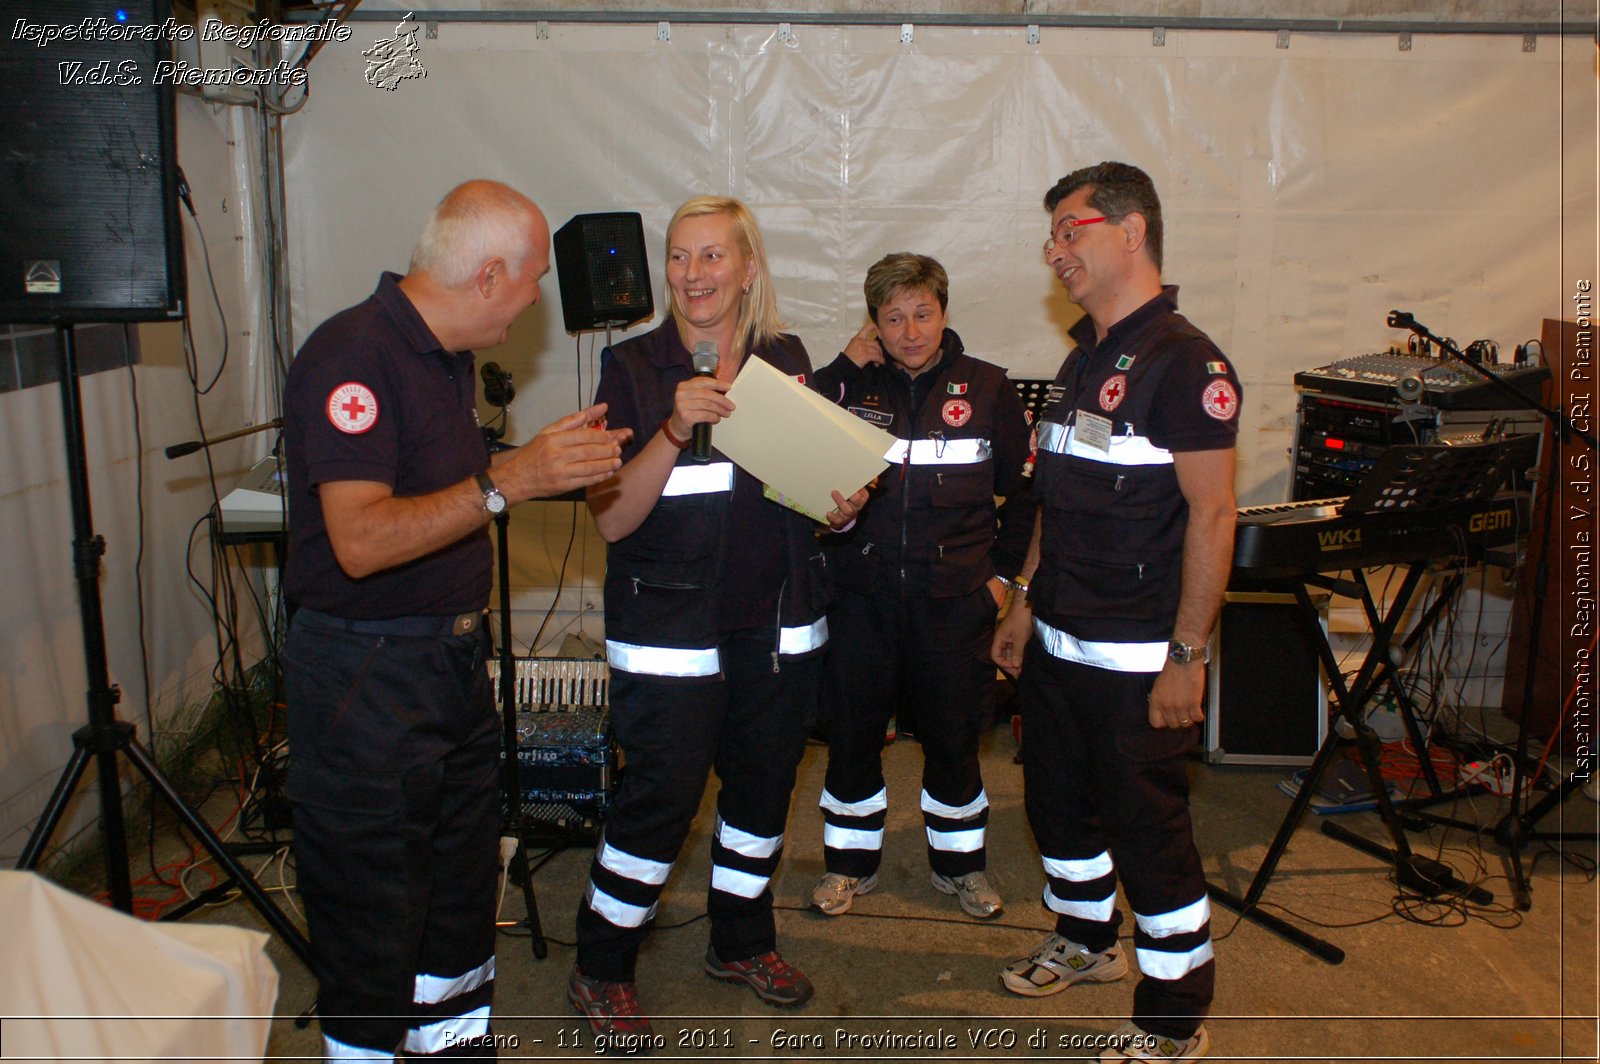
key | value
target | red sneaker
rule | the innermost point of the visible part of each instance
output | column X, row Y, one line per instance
column 775, row 980
column 612, row 1009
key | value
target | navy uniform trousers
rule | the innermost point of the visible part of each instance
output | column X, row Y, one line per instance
column 1107, row 797
column 750, row 725
column 395, row 779
column 934, row 653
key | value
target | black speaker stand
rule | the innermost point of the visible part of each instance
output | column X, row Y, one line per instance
column 105, row 737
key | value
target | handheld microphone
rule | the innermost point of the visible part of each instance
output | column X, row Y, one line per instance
column 497, row 387
column 705, row 365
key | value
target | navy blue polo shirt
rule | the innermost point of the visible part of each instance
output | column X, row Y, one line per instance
column 373, row 396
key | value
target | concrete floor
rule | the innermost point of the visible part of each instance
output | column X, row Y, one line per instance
column 1450, row 983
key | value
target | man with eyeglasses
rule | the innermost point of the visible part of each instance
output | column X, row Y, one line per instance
column 1131, row 554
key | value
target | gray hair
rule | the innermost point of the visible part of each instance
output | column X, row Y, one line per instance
column 475, row 222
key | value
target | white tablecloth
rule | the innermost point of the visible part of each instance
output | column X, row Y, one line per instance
column 80, row 980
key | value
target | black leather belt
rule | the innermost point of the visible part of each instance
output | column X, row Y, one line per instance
column 460, row 624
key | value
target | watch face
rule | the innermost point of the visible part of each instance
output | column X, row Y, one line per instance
column 493, row 501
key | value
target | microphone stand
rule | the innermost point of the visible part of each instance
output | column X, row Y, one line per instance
column 178, row 450
column 511, row 778
column 1519, row 826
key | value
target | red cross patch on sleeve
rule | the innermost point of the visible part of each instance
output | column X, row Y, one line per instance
column 352, row 408
column 1220, row 400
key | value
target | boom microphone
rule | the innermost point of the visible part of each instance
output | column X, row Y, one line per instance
column 705, row 365
column 497, row 387
column 1399, row 319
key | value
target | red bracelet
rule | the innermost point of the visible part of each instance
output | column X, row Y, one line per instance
column 666, row 430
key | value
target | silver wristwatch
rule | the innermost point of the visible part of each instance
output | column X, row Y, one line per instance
column 493, row 501
column 1183, row 653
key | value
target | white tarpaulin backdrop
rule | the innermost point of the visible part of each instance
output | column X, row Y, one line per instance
column 1307, row 189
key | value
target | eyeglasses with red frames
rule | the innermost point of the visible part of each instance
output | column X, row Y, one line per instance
column 1066, row 233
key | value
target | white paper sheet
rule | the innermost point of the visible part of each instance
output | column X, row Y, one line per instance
column 796, row 442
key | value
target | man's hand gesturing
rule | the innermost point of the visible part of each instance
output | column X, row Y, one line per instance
column 567, row 454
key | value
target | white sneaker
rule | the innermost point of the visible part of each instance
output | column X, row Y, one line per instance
column 1058, row 963
column 1132, row 1042
column 834, row 893
column 977, row 897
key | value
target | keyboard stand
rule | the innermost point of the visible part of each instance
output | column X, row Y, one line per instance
column 1411, row 871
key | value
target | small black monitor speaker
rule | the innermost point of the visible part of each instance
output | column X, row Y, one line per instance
column 605, row 279
column 89, row 230
column 1266, row 701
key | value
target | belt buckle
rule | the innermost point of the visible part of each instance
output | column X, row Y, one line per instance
column 465, row 623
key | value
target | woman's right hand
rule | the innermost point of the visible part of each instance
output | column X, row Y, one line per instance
column 863, row 348
column 698, row 400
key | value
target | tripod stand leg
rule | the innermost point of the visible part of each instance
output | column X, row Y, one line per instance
column 1516, row 829
column 521, row 872
column 1282, row 928
column 55, row 807
column 219, row 852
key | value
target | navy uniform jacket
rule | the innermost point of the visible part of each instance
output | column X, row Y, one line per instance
column 930, row 524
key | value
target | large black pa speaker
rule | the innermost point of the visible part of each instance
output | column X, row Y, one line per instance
column 89, row 230
column 605, row 280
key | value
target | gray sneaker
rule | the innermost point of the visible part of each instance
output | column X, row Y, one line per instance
column 835, row 893
column 1132, row 1042
column 977, row 897
column 1058, row 963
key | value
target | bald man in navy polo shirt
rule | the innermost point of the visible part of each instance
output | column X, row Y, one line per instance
column 394, row 741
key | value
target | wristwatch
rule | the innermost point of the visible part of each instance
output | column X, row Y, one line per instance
column 493, row 501
column 1183, row 653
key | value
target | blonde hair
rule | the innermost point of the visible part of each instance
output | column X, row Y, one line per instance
column 475, row 222
column 758, row 310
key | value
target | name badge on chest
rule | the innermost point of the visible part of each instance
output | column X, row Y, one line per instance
column 881, row 418
column 1092, row 430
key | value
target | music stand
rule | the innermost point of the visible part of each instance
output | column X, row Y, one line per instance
column 104, row 737
column 1445, row 483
